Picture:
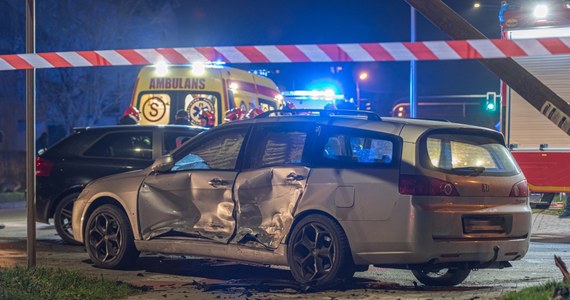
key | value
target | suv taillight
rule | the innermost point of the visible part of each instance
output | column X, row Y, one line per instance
column 43, row 166
column 426, row 186
column 519, row 189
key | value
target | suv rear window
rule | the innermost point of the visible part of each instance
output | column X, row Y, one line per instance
column 467, row 155
column 123, row 145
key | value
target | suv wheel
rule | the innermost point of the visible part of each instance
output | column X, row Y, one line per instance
column 441, row 277
column 109, row 238
column 318, row 252
column 62, row 219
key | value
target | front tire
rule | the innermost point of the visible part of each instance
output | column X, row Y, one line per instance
column 318, row 252
column 109, row 238
column 441, row 276
column 62, row 219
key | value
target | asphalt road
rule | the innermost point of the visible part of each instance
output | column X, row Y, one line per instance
column 174, row 277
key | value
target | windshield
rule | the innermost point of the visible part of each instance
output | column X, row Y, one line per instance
column 470, row 155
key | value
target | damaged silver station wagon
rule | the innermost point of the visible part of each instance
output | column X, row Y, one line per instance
column 327, row 193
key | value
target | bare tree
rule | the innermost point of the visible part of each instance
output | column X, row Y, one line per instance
column 83, row 96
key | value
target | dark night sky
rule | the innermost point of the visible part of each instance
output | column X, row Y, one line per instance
column 249, row 22
column 254, row 22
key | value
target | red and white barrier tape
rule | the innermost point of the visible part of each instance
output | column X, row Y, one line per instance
column 366, row 52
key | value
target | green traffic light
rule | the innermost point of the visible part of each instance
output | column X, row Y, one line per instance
column 491, row 106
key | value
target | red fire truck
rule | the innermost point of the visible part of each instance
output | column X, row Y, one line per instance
column 541, row 148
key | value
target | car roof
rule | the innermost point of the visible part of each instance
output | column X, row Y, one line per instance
column 137, row 127
column 408, row 129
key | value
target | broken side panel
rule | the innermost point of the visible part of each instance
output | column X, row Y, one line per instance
column 266, row 200
column 194, row 203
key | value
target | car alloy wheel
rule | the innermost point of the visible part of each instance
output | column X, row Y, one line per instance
column 109, row 238
column 62, row 219
column 318, row 252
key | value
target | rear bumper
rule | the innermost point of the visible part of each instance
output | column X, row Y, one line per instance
column 45, row 195
column 416, row 235
column 449, row 252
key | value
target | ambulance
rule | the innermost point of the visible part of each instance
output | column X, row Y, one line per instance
column 541, row 148
column 205, row 91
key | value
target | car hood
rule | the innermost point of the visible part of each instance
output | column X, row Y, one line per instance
column 124, row 176
column 122, row 187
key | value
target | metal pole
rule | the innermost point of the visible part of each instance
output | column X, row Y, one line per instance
column 31, row 136
column 357, row 92
column 413, row 91
column 536, row 93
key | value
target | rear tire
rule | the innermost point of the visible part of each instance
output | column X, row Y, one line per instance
column 109, row 238
column 62, row 219
column 441, row 277
column 318, row 252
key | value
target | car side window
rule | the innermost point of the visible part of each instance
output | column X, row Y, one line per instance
column 173, row 140
column 278, row 146
column 357, row 148
column 123, row 145
column 219, row 152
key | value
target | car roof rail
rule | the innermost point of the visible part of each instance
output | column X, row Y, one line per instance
column 79, row 129
column 357, row 114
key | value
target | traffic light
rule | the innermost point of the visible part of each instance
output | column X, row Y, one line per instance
column 491, row 101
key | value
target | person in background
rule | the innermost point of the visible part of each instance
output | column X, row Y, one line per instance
column 207, row 118
column 42, row 142
column 235, row 114
column 131, row 116
column 330, row 106
column 127, row 120
column 182, row 117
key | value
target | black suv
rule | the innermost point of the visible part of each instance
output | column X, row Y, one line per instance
column 63, row 170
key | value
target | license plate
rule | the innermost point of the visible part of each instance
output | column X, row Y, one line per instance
column 486, row 224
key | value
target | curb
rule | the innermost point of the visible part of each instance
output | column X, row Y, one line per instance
column 13, row 205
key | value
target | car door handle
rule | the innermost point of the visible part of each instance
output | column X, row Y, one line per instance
column 294, row 177
column 216, row 182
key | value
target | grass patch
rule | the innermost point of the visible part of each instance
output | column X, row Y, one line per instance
column 543, row 291
column 11, row 197
column 47, row 283
column 554, row 212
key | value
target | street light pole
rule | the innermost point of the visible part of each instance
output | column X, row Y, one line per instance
column 31, row 136
column 361, row 76
column 413, row 90
column 358, row 93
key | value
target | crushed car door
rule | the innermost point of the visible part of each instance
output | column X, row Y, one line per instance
column 268, row 190
column 194, row 199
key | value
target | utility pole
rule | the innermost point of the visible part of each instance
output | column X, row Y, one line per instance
column 541, row 97
column 31, row 136
column 413, row 76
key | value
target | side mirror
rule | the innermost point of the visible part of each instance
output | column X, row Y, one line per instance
column 162, row 164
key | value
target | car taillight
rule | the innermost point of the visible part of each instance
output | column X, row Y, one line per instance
column 519, row 189
column 43, row 166
column 426, row 186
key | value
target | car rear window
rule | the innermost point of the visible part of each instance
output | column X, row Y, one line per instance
column 360, row 149
column 468, row 154
column 173, row 140
column 123, row 145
